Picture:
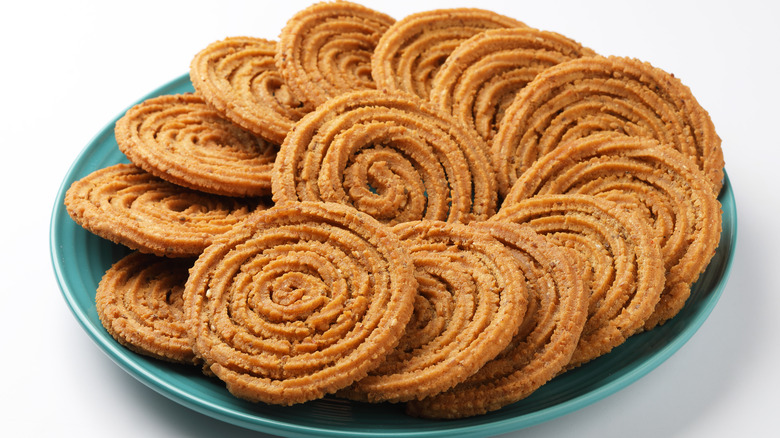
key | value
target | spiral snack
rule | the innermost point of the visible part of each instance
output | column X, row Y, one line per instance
column 545, row 341
column 139, row 302
column 413, row 49
column 300, row 301
column 325, row 49
column 586, row 95
column 238, row 77
column 482, row 76
column 470, row 301
column 127, row 205
column 619, row 248
column 390, row 155
column 665, row 185
column 180, row 139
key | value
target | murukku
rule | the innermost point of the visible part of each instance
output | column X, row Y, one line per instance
column 325, row 49
column 412, row 50
column 184, row 141
column 586, row 95
column 620, row 250
column 391, row 155
column 672, row 194
column 139, row 301
column 238, row 77
column 299, row 301
column 470, row 301
column 127, row 205
column 544, row 342
column 481, row 77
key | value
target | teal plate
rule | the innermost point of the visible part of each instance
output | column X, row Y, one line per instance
column 80, row 258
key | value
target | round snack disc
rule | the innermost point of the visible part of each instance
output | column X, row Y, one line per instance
column 139, row 301
column 325, row 49
column 299, row 301
column 470, row 301
column 391, row 155
column 238, row 77
column 484, row 73
column 667, row 187
column 182, row 140
column 585, row 95
column 544, row 342
column 127, row 205
column 621, row 256
column 410, row 53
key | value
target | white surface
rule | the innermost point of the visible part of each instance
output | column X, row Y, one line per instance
column 68, row 68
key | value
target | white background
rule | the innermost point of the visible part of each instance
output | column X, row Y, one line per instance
column 68, row 68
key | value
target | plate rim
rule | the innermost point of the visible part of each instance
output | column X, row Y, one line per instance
column 120, row 355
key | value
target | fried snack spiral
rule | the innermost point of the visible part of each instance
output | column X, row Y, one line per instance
column 410, row 53
column 481, row 77
column 470, row 301
column 666, row 186
column 182, row 140
column 130, row 206
column 616, row 246
column 390, row 155
column 301, row 300
column 325, row 50
column 139, row 302
column 544, row 342
column 238, row 77
column 586, row 95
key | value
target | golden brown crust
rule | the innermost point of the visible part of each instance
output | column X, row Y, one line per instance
column 127, row 205
column 139, row 302
column 484, row 73
column 413, row 49
column 543, row 344
column 390, row 155
column 667, row 187
column 299, row 301
column 470, row 301
column 184, row 141
column 238, row 77
column 383, row 272
column 617, row 246
column 578, row 97
column 325, row 50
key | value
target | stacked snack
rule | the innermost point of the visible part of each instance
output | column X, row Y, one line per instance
column 481, row 77
column 593, row 94
column 299, row 301
column 463, row 208
column 392, row 156
column 140, row 302
column 455, row 266
column 238, row 78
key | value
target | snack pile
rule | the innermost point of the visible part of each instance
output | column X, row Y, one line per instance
column 446, row 211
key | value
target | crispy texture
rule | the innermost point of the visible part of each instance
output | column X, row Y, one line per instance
column 184, row 141
column 238, row 77
column 325, row 50
column 483, row 74
column 412, row 50
column 384, row 272
column 585, row 95
column 470, row 301
column 139, row 302
column 673, row 195
column 617, row 246
column 391, row 155
column 298, row 302
column 126, row 205
column 543, row 344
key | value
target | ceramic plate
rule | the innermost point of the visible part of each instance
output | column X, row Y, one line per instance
column 80, row 259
